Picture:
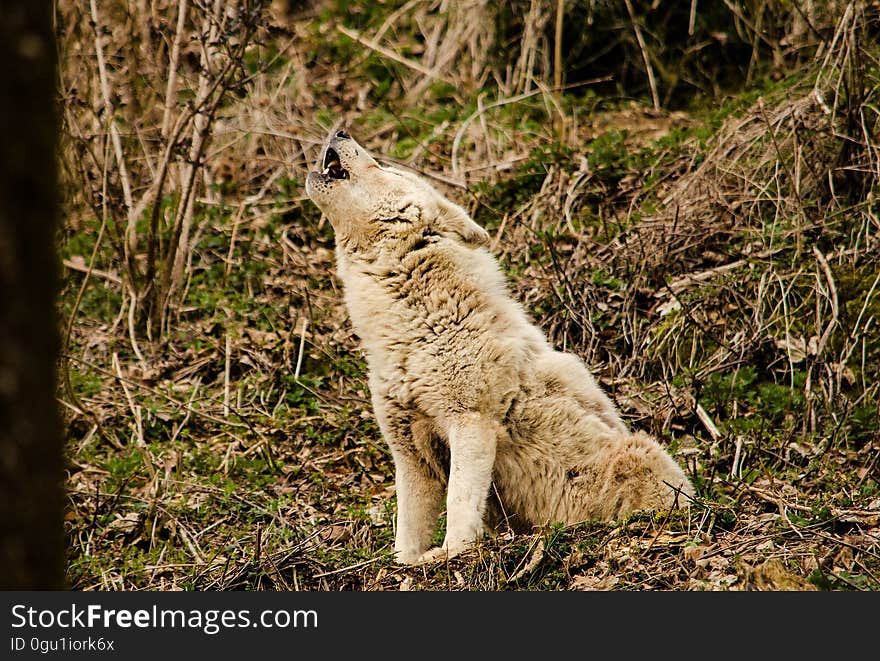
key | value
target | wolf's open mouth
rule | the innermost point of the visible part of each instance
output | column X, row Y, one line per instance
column 332, row 167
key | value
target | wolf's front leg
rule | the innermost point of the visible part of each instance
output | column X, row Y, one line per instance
column 472, row 442
column 419, row 497
column 417, row 482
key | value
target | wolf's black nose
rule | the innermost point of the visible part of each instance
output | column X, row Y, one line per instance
column 342, row 134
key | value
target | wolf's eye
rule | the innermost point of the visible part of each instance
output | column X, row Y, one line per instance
column 396, row 219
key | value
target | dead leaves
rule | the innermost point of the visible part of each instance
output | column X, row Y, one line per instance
column 595, row 583
column 772, row 575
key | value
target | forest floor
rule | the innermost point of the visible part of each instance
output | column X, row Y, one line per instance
column 717, row 266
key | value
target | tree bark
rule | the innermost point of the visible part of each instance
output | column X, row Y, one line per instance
column 31, row 462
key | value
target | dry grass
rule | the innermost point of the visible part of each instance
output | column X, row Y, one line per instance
column 717, row 268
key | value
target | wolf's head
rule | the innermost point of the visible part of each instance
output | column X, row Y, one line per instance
column 367, row 203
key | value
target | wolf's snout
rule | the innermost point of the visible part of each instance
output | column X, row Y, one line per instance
column 342, row 135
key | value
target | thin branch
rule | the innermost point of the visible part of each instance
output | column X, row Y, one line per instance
column 131, row 236
column 643, row 47
column 557, row 45
column 390, row 54
column 172, row 67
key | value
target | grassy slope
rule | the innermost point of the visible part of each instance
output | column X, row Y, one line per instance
column 670, row 250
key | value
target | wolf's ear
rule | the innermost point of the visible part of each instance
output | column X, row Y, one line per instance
column 454, row 222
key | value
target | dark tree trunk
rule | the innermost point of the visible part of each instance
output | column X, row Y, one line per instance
column 31, row 465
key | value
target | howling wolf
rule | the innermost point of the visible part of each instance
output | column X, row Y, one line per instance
column 474, row 403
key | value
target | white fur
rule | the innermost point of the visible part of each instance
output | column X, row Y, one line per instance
column 466, row 389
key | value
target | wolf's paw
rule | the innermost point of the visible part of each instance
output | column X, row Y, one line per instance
column 407, row 557
column 436, row 554
column 440, row 554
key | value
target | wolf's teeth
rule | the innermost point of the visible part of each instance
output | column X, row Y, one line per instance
column 326, row 170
